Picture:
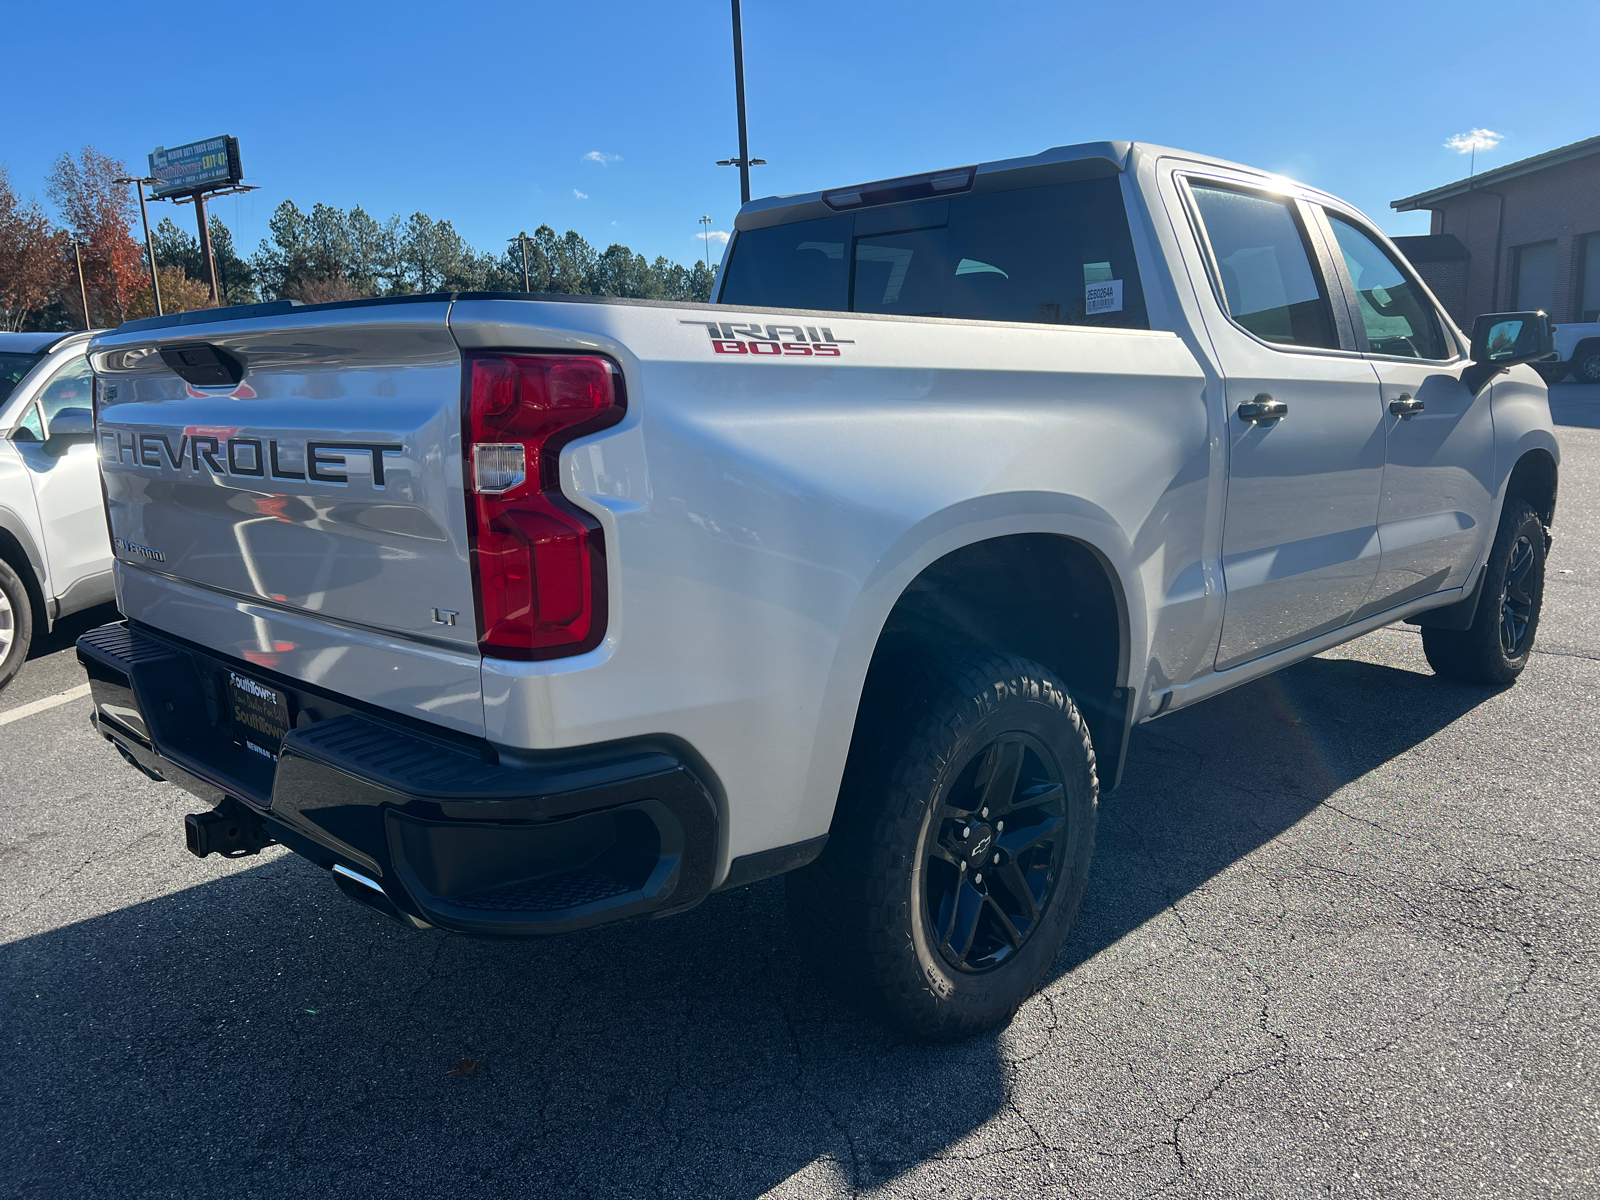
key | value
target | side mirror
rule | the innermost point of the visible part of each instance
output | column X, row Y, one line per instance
column 1502, row 340
column 69, row 427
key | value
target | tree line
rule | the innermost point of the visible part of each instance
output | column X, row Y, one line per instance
column 318, row 256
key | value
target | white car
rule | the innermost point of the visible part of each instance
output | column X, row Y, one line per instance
column 55, row 550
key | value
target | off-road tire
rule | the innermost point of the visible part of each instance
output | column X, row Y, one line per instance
column 930, row 724
column 1508, row 608
column 1586, row 366
column 16, row 623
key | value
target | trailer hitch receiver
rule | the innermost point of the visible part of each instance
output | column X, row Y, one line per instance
column 230, row 830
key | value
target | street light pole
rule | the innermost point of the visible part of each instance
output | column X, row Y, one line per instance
column 149, row 244
column 705, row 236
column 738, row 84
column 744, row 162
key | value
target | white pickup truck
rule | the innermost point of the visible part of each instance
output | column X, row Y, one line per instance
column 1577, row 353
column 521, row 614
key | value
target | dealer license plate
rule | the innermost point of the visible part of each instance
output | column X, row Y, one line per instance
column 260, row 715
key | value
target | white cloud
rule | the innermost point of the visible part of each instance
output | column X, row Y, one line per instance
column 719, row 236
column 601, row 157
column 580, row 195
column 1473, row 139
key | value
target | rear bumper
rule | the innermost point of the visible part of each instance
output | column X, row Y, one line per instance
column 447, row 834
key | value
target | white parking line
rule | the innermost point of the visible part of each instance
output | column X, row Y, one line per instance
column 38, row 706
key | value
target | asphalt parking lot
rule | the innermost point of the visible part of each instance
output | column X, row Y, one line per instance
column 1340, row 940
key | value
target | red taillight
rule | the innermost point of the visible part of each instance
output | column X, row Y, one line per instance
column 538, row 563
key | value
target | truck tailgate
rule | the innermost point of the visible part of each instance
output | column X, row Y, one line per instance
column 309, row 516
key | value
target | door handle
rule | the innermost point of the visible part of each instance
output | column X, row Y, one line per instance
column 1263, row 408
column 1405, row 406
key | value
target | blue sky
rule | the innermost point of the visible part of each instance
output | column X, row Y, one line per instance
column 606, row 117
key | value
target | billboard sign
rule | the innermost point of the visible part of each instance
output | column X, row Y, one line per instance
column 213, row 163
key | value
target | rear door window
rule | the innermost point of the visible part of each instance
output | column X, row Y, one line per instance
column 1059, row 254
column 1265, row 268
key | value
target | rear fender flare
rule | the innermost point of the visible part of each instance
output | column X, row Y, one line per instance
column 977, row 520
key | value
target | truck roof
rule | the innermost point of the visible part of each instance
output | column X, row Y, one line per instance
column 34, row 343
column 1059, row 164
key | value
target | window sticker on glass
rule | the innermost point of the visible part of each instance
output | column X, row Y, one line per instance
column 1103, row 297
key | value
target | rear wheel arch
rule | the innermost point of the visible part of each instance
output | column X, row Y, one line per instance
column 1045, row 597
column 20, row 560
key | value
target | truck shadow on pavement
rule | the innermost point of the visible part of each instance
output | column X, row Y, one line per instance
column 68, row 629
column 261, row 1034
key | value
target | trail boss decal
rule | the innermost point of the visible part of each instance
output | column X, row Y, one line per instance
column 772, row 341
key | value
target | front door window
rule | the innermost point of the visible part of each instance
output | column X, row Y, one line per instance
column 1397, row 315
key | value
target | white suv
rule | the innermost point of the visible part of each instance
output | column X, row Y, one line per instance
column 55, row 551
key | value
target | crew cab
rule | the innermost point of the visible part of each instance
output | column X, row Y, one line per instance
column 55, row 554
column 521, row 614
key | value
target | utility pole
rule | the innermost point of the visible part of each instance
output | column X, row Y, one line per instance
column 705, row 236
column 149, row 244
column 744, row 162
column 83, row 292
column 522, row 237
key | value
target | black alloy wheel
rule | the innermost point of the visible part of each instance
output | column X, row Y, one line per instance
column 995, row 853
column 960, row 846
column 1517, row 598
column 1496, row 647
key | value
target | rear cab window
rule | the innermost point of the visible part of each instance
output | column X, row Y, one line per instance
column 1058, row 254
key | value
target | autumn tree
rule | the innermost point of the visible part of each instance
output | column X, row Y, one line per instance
column 32, row 268
column 180, row 292
column 99, row 213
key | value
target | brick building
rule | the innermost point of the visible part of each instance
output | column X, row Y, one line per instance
column 1522, row 236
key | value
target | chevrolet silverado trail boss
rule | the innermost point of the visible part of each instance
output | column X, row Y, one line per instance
column 521, row 614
